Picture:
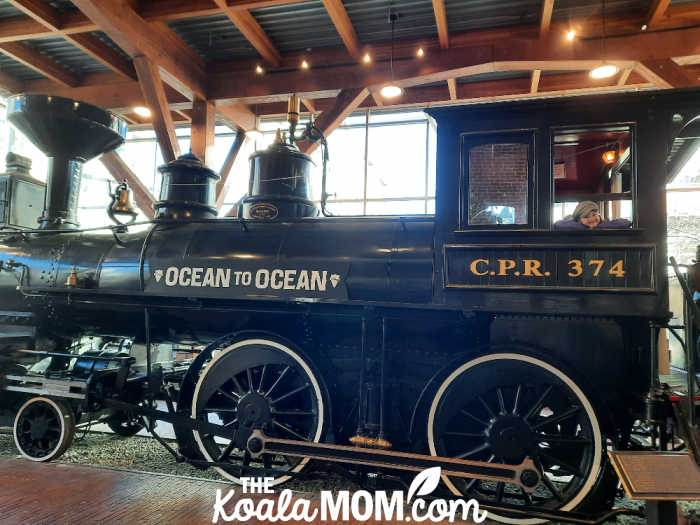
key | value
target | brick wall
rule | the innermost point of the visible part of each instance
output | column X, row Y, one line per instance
column 498, row 177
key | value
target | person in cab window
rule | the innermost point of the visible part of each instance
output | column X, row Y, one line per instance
column 587, row 216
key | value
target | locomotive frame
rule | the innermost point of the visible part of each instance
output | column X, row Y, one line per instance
column 382, row 357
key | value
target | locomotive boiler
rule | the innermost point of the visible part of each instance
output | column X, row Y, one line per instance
column 389, row 343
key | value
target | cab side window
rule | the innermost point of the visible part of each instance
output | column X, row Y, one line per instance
column 593, row 172
column 496, row 173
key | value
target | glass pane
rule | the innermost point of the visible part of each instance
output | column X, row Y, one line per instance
column 395, row 116
column 346, row 165
column 498, row 189
column 344, row 208
column 413, row 207
column 396, row 163
column 593, row 168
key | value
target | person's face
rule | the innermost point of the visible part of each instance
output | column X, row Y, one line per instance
column 591, row 220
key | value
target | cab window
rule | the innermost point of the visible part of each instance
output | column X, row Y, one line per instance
column 496, row 173
column 595, row 166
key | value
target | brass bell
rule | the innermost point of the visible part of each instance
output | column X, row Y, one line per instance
column 121, row 204
column 72, row 280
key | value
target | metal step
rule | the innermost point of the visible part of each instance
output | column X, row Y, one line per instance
column 657, row 475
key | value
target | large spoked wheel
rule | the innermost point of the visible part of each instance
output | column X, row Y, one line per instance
column 506, row 407
column 43, row 429
column 268, row 385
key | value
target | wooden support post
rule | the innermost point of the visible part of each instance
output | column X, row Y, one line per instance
column 202, row 131
column 535, row 80
column 452, row 87
column 346, row 102
column 224, row 183
column 121, row 172
column 154, row 93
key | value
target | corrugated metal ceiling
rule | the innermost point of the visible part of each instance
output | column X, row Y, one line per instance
column 215, row 38
column 371, row 21
column 465, row 15
column 7, row 10
column 67, row 55
column 17, row 70
column 294, row 27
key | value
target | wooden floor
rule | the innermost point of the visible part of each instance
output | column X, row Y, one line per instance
column 57, row 494
column 43, row 493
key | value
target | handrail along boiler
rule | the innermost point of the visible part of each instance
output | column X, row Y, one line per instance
column 480, row 340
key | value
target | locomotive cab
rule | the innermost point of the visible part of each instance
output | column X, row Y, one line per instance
column 484, row 338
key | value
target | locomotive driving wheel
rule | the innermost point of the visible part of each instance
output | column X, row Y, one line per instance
column 259, row 384
column 506, row 407
column 43, row 429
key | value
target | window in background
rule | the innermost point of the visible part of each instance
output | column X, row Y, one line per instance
column 593, row 165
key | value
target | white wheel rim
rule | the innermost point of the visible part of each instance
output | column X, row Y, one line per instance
column 597, row 440
column 61, row 418
column 314, row 383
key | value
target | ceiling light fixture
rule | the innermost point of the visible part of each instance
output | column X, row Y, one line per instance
column 367, row 58
column 420, row 53
column 391, row 90
column 142, row 111
column 644, row 27
column 610, row 156
column 604, row 70
column 570, row 35
column 259, row 70
column 304, row 64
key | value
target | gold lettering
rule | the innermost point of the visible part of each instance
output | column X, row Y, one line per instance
column 532, row 267
column 504, row 265
column 474, row 268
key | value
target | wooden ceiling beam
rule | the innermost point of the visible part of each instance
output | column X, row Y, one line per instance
column 665, row 73
column 103, row 53
column 346, row 102
column 309, row 104
column 202, row 130
column 30, row 57
column 121, row 172
column 508, row 55
column 343, row 25
column 10, row 83
column 254, row 33
column 237, row 116
column 546, row 17
column 656, row 12
column 624, row 76
column 157, row 102
column 441, row 22
column 52, row 18
column 41, row 11
column 183, row 69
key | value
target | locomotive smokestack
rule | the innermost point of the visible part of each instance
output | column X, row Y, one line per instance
column 70, row 133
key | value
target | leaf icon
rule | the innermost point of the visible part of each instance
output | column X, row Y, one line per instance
column 424, row 483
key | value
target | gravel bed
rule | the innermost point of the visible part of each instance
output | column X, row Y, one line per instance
column 147, row 455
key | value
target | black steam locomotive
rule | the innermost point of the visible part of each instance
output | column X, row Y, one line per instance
column 482, row 340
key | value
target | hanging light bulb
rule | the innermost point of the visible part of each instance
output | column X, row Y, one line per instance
column 142, row 111
column 420, row 53
column 367, row 58
column 259, row 70
column 570, row 35
column 391, row 90
column 604, row 70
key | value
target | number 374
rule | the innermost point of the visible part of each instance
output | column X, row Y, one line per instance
column 576, row 267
